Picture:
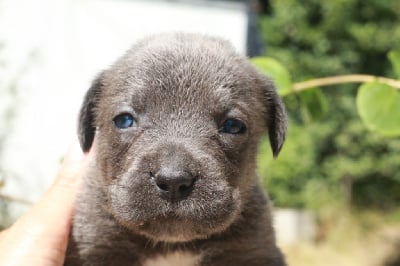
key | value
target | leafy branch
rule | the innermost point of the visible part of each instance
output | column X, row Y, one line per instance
column 378, row 98
column 335, row 80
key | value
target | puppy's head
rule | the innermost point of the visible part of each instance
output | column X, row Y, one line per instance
column 177, row 121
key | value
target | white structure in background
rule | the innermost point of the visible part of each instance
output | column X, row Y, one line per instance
column 71, row 42
column 294, row 226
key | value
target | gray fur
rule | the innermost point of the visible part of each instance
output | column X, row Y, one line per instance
column 180, row 88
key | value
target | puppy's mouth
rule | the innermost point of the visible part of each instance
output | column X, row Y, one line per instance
column 206, row 208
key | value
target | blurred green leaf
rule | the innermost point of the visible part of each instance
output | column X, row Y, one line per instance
column 281, row 177
column 394, row 57
column 314, row 105
column 276, row 71
column 379, row 107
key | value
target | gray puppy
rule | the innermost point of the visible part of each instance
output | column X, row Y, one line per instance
column 177, row 122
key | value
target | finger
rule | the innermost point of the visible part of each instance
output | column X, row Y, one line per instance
column 41, row 235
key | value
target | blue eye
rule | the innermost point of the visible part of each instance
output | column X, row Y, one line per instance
column 124, row 121
column 233, row 126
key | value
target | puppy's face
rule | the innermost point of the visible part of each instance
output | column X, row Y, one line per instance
column 177, row 121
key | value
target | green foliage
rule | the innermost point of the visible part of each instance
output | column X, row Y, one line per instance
column 288, row 179
column 314, row 104
column 325, row 38
column 330, row 155
column 394, row 57
column 276, row 71
column 379, row 108
column 318, row 166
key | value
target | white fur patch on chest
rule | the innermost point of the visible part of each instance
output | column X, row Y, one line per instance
column 174, row 259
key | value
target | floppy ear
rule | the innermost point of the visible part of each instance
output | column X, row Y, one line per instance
column 276, row 119
column 86, row 127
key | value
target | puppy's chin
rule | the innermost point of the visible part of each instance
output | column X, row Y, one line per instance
column 173, row 230
column 199, row 216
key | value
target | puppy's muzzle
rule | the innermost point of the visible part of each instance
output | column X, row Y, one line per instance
column 173, row 176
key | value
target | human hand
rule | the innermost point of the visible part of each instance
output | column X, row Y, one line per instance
column 40, row 236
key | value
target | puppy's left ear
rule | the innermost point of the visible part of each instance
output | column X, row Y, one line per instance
column 86, row 127
column 276, row 118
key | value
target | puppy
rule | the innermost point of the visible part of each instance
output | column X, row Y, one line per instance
column 177, row 122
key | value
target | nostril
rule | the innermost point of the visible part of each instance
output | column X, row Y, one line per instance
column 186, row 186
column 183, row 188
column 162, row 186
column 173, row 185
column 160, row 182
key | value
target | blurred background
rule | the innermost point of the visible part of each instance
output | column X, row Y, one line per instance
column 335, row 187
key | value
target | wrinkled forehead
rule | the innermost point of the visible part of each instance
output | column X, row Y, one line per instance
column 172, row 94
column 191, row 80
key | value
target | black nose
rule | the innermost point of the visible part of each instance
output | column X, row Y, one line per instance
column 174, row 184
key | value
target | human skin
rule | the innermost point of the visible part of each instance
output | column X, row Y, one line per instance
column 40, row 236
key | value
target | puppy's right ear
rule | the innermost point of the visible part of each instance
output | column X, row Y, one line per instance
column 276, row 116
column 86, row 127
